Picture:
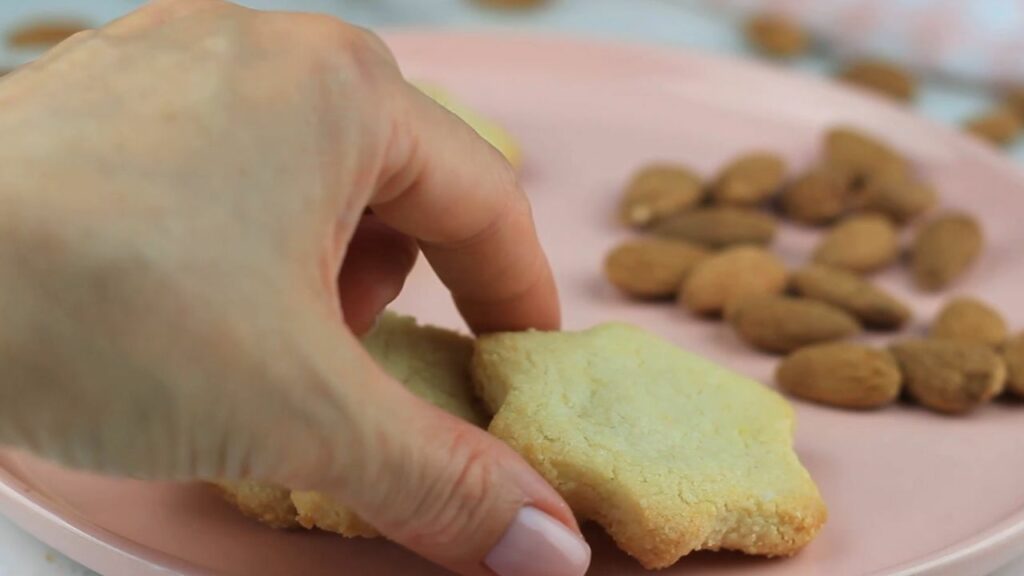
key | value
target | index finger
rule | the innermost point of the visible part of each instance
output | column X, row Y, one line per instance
column 456, row 195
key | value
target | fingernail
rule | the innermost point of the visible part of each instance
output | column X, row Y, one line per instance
column 538, row 545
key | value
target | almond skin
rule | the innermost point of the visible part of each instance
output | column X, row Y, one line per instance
column 651, row 268
column 776, row 36
column 881, row 77
column 970, row 320
column 944, row 249
column 900, row 199
column 873, row 306
column 657, row 191
column 734, row 273
column 749, row 180
column 949, row 376
column 781, row 324
column 819, row 196
column 862, row 158
column 718, row 227
column 1013, row 354
column 999, row 126
column 841, row 374
column 860, row 244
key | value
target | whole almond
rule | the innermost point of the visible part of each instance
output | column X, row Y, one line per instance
column 873, row 306
column 1013, row 353
column 776, row 36
column 781, row 324
column 44, row 33
column 749, row 180
column 1015, row 100
column 1000, row 126
column 899, row 198
column 882, row 77
column 950, row 376
column 970, row 320
column 657, row 191
column 651, row 268
column 944, row 249
column 819, row 196
column 860, row 244
column 862, row 157
column 718, row 227
column 732, row 274
column 841, row 374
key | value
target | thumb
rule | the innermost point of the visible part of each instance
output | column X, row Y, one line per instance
column 447, row 490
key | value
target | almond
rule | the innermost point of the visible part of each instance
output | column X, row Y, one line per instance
column 1013, row 354
column 881, row 77
column 44, row 33
column 781, row 324
column 970, row 320
column 999, row 126
column 860, row 244
column 657, row 191
column 651, row 268
column 776, row 36
column 1015, row 100
column 734, row 273
column 841, row 374
column 944, row 249
column 718, row 227
column 862, row 158
column 950, row 376
column 898, row 198
column 749, row 180
column 873, row 306
column 819, row 196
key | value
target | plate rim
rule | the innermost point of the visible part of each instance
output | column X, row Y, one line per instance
column 62, row 528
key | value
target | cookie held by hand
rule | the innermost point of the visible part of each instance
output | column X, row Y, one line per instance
column 667, row 451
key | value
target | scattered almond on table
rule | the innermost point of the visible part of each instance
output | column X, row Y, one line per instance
column 777, row 36
column 718, row 227
column 730, row 275
column 944, row 249
column 950, row 376
column 658, row 191
column 872, row 306
column 860, row 244
column 842, row 374
column 652, row 268
column 881, row 76
column 782, row 324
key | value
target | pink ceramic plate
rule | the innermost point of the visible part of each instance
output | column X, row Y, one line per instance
column 909, row 492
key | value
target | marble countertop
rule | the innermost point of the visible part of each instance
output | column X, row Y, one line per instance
column 668, row 22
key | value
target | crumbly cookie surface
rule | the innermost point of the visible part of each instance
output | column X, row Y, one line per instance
column 432, row 363
column 667, row 451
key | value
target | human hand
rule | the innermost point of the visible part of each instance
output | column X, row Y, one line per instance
column 181, row 191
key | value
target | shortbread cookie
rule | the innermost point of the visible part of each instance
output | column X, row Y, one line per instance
column 668, row 452
column 271, row 505
column 433, row 363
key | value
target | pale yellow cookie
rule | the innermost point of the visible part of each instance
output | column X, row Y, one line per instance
column 433, row 363
column 669, row 452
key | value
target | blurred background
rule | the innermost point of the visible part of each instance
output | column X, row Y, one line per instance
column 960, row 62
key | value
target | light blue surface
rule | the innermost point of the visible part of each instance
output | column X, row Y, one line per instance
column 680, row 22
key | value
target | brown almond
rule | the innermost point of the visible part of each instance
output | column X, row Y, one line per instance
column 882, row 77
column 657, row 191
column 44, row 33
column 950, row 376
column 776, row 36
column 732, row 274
column 651, row 268
column 781, row 324
column 718, row 227
column 873, row 306
column 841, row 374
column 862, row 158
column 1015, row 100
column 899, row 198
column 860, row 244
column 1013, row 354
column 970, row 320
column 819, row 196
column 1000, row 126
column 944, row 249
column 749, row 180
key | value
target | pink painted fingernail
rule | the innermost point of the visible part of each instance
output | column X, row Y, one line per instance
column 536, row 544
